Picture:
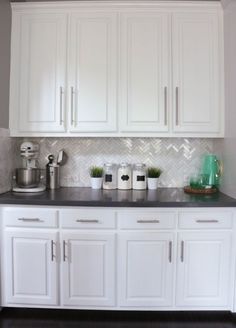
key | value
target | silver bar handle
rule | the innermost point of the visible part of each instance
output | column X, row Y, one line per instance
column 61, row 111
column 165, row 105
column 30, row 219
column 72, row 92
column 177, row 106
column 148, row 221
column 52, row 251
column 64, row 250
column 207, row 221
column 170, row 251
column 182, row 251
column 87, row 221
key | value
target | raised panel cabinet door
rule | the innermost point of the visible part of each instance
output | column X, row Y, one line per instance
column 203, row 269
column 30, row 267
column 92, row 72
column 144, row 71
column 145, row 269
column 38, row 72
column 197, row 89
column 88, row 269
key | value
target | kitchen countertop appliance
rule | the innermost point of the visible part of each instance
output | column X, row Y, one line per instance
column 52, row 173
column 53, row 169
column 28, row 178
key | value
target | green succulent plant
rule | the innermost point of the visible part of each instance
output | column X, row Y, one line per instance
column 96, row 171
column 154, row 172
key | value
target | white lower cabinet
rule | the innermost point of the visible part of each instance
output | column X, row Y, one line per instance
column 146, row 269
column 203, row 269
column 88, row 269
column 31, row 269
column 96, row 258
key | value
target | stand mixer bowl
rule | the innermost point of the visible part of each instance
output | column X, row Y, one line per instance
column 28, row 177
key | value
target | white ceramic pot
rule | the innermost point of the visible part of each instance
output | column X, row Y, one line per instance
column 152, row 183
column 96, row 183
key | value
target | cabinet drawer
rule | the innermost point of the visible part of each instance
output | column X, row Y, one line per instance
column 211, row 220
column 30, row 217
column 147, row 220
column 88, row 219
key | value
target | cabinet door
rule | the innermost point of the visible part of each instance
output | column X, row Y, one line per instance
column 38, row 72
column 197, row 58
column 144, row 84
column 92, row 72
column 203, row 269
column 146, row 269
column 30, row 267
column 88, row 269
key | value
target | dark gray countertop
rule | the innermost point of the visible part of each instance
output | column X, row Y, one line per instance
column 163, row 197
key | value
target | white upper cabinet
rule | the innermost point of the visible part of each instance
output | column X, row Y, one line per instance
column 145, row 67
column 117, row 69
column 196, row 72
column 92, row 71
column 38, row 72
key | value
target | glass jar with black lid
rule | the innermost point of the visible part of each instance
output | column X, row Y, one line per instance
column 139, row 176
column 110, row 176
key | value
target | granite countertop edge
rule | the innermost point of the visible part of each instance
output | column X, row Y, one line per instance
column 163, row 197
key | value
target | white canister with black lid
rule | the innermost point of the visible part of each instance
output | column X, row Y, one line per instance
column 124, row 176
column 139, row 177
column 109, row 176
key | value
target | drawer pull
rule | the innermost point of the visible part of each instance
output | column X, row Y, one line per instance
column 176, row 106
column 64, row 250
column 87, row 221
column 30, row 219
column 61, row 110
column 182, row 251
column 170, row 251
column 72, row 105
column 165, row 105
column 207, row 221
column 148, row 221
column 52, row 250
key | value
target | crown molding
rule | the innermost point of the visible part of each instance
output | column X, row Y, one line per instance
column 113, row 3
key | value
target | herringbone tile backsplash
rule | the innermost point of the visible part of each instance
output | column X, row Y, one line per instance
column 6, row 160
column 178, row 158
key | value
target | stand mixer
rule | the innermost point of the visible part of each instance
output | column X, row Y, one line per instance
column 28, row 178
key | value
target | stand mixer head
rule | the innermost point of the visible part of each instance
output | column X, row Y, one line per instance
column 29, row 151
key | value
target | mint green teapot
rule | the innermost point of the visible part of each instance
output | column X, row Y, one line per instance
column 212, row 170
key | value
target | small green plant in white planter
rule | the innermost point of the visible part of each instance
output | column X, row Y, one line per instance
column 96, row 173
column 153, row 173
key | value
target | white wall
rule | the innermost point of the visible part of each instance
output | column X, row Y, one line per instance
column 227, row 146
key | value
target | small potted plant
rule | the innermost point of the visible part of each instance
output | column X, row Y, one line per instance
column 153, row 173
column 96, row 173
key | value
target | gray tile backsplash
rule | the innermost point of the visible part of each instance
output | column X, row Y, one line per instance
column 178, row 158
column 6, row 160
